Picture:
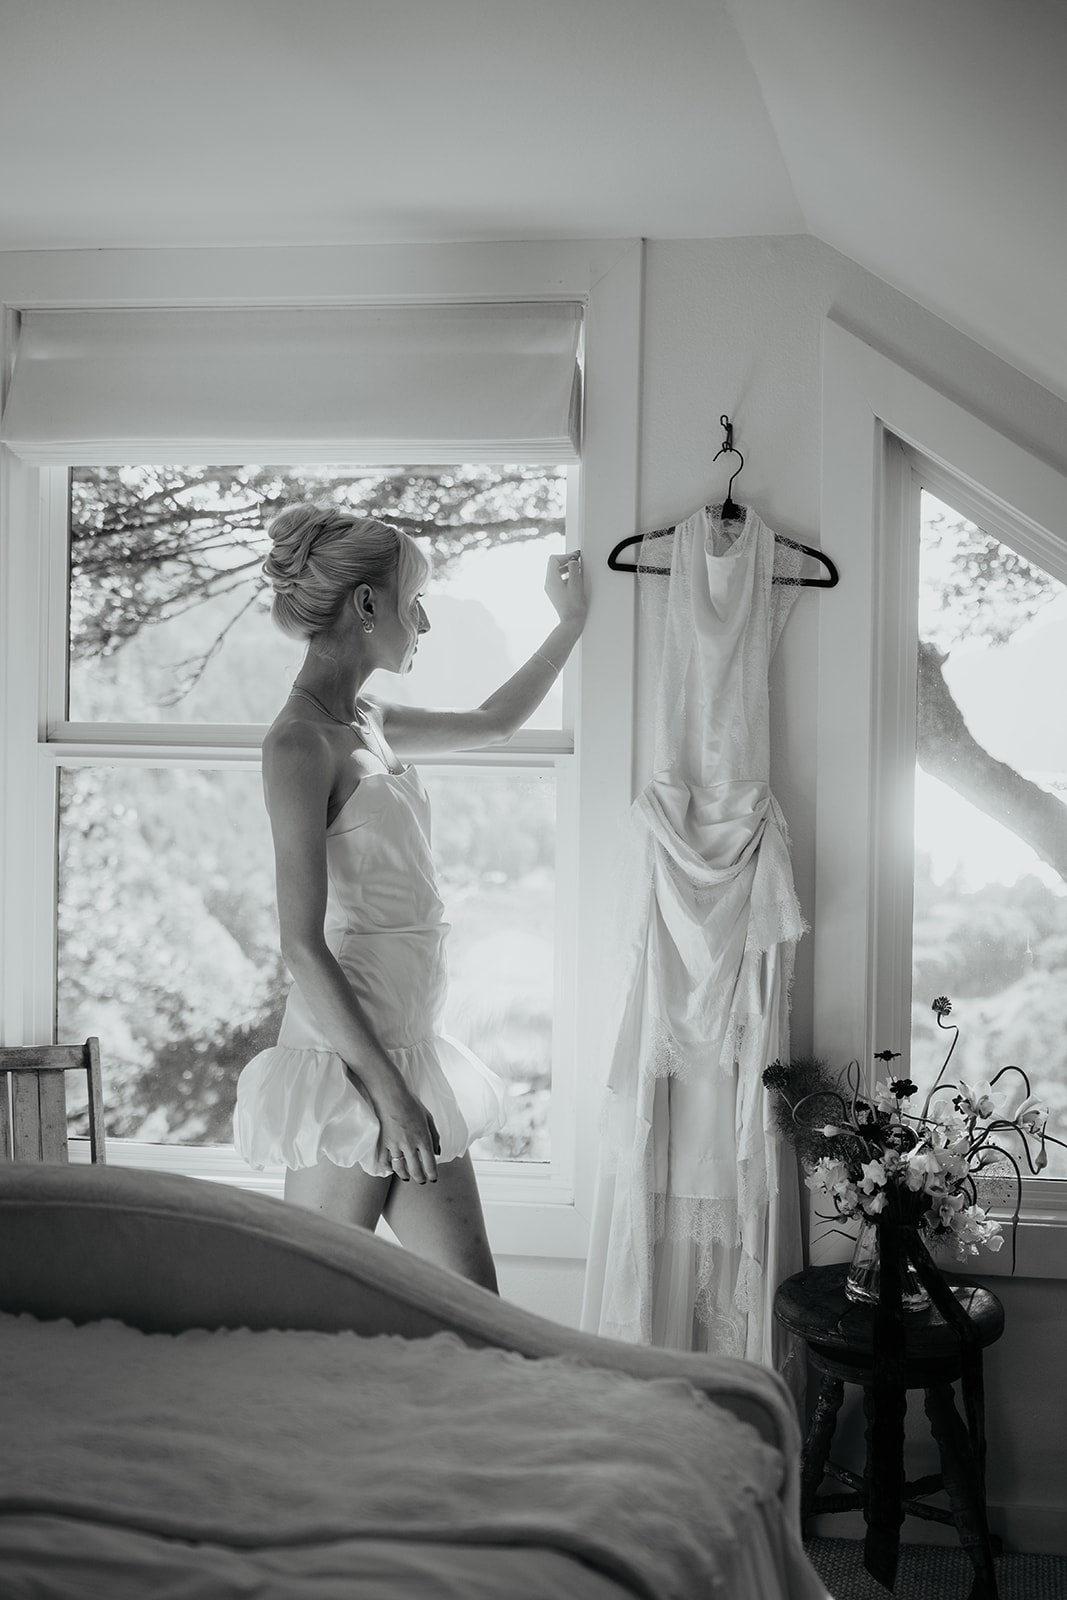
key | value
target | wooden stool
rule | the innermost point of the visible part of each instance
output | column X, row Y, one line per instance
column 840, row 1338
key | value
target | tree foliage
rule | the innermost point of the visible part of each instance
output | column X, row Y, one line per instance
column 150, row 543
column 984, row 589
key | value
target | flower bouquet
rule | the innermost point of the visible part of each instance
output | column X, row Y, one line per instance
column 879, row 1157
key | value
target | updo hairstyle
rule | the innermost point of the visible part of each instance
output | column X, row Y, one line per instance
column 320, row 554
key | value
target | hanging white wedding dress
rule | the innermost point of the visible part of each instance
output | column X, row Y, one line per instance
column 696, row 1222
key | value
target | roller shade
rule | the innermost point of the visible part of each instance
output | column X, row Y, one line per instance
column 377, row 384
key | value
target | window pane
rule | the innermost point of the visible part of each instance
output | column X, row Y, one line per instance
column 169, row 612
column 494, row 843
column 990, row 925
column 168, row 939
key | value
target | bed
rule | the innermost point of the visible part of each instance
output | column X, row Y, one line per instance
column 209, row 1394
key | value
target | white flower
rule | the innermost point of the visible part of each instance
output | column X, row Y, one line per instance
column 827, row 1174
column 873, row 1176
column 874, row 1203
column 921, row 1165
column 932, row 1167
column 955, row 1161
column 1032, row 1115
column 830, row 1131
column 952, row 1124
column 968, row 1225
column 980, row 1101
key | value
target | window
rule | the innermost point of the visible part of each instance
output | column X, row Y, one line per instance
column 141, row 357
column 170, row 644
column 950, row 532
column 989, row 922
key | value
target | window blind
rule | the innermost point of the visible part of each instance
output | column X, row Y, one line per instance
column 378, row 384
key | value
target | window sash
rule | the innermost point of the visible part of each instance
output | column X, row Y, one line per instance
column 66, row 744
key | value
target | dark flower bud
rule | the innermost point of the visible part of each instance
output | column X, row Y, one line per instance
column 776, row 1076
column 942, row 1005
column 887, row 1055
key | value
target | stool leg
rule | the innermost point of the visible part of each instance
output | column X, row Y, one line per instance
column 962, row 1474
column 817, row 1444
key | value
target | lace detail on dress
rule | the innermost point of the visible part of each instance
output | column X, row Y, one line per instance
column 705, row 1222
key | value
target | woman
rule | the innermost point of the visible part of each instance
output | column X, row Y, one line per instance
column 370, row 1110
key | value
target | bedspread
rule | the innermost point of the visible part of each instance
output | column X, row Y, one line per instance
column 271, row 1441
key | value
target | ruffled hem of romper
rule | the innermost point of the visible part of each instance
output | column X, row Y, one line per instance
column 295, row 1106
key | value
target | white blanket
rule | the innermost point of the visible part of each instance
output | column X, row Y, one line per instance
column 280, row 1440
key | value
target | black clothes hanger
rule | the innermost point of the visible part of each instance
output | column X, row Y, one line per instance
column 731, row 511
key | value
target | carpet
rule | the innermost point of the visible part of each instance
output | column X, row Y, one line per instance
column 933, row 1572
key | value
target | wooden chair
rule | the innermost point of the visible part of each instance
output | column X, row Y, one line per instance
column 33, row 1100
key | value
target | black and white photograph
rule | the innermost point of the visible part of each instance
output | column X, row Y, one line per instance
column 533, row 799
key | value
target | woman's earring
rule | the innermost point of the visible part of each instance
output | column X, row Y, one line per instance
column 368, row 625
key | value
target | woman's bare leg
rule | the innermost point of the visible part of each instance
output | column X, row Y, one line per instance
column 344, row 1194
column 443, row 1221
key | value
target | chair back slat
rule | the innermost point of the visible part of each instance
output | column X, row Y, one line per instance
column 25, row 1117
column 5, row 1117
column 33, row 1100
column 52, row 1102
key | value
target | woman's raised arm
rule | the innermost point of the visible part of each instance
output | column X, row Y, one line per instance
column 415, row 731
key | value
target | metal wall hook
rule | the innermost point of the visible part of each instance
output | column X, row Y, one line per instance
column 728, row 448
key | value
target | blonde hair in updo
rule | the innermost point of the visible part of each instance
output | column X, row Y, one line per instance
column 320, row 554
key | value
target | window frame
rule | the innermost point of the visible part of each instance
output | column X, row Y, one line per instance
column 204, row 746
column 886, row 434
column 538, row 1213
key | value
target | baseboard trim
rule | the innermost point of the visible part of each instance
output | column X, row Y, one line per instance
column 1033, row 1530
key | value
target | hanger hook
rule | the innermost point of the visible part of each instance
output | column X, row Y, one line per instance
column 728, row 447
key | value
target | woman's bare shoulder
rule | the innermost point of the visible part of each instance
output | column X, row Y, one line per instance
column 294, row 746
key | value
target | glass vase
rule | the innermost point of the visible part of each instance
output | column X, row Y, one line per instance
column 864, row 1274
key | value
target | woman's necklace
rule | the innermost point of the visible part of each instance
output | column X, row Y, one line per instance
column 365, row 724
column 345, row 722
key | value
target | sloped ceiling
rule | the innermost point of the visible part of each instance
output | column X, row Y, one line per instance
column 925, row 139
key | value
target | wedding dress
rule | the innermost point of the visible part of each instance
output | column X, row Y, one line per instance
column 697, row 1211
